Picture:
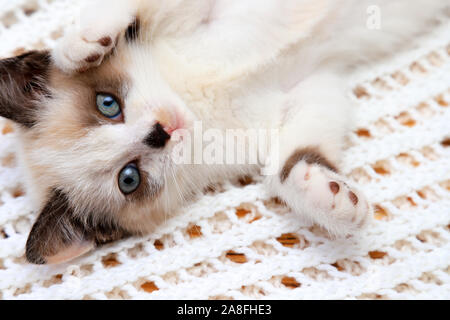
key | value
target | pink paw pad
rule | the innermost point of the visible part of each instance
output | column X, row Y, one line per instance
column 334, row 187
column 105, row 41
column 353, row 197
column 93, row 58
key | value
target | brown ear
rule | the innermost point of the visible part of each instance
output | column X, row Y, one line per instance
column 23, row 80
column 58, row 236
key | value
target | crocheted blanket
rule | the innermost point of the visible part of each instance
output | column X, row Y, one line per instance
column 238, row 243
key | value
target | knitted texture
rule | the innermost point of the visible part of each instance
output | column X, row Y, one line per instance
column 237, row 243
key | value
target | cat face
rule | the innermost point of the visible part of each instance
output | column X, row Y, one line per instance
column 96, row 147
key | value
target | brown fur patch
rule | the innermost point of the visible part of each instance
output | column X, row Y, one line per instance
column 23, row 80
column 58, row 230
column 132, row 33
column 310, row 155
column 74, row 107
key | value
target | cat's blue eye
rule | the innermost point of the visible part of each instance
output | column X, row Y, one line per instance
column 108, row 106
column 129, row 179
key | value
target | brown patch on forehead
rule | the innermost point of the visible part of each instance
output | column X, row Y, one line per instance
column 72, row 110
column 109, row 74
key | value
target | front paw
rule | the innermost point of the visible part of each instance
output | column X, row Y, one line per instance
column 77, row 52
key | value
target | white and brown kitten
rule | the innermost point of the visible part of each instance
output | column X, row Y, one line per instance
column 97, row 116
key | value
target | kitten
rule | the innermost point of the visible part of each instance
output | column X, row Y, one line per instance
column 100, row 116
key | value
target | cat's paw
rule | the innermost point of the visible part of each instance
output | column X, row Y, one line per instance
column 86, row 44
column 78, row 51
column 329, row 199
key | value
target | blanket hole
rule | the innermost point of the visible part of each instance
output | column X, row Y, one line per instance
column 290, row 282
column 158, row 245
column 110, row 261
column 236, row 257
column 361, row 93
column 377, row 254
column 149, row 287
column 194, row 231
column 363, row 133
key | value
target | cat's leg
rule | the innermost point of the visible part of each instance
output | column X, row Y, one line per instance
column 86, row 43
column 308, row 178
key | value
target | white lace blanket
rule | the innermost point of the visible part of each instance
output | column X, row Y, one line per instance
column 239, row 244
